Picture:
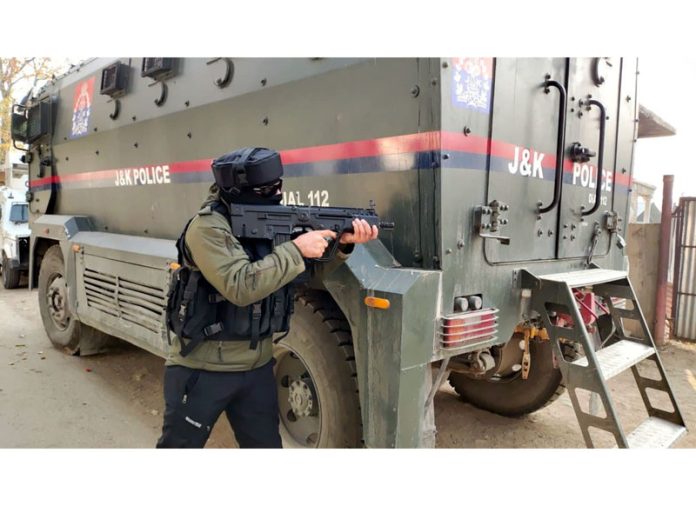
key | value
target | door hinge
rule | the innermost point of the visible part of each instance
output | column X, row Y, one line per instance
column 488, row 221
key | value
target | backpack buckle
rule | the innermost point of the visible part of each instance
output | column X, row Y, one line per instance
column 216, row 298
column 213, row 329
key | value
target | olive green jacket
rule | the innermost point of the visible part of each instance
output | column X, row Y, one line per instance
column 224, row 263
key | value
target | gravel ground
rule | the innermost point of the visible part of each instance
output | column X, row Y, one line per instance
column 51, row 400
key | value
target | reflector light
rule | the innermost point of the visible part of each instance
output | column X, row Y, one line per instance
column 376, row 302
column 462, row 329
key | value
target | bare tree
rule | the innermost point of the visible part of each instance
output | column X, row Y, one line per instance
column 13, row 71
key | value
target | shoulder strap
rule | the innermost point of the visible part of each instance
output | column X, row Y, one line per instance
column 220, row 208
column 182, row 258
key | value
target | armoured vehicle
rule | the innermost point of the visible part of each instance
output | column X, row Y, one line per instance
column 507, row 180
column 14, row 236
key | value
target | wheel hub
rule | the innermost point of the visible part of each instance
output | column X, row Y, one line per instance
column 301, row 397
column 57, row 302
column 298, row 401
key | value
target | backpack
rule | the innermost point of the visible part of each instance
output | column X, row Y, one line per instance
column 191, row 302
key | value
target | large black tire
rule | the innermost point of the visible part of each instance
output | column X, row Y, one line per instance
column 10, row 276
column 316, row 378
column 511, row 395
column 63, row 329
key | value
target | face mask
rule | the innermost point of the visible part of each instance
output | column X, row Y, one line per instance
column 249, row 196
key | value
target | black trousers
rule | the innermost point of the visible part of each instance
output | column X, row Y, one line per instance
column 194, row 399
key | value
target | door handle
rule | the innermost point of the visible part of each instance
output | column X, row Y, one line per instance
column 600, row 157
column 560, row 143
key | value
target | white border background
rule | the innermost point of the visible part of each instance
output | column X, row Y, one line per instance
column 81, row 29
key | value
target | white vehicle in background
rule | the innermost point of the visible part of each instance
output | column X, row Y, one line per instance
column 14, row 236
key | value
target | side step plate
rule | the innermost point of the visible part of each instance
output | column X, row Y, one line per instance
column 655, row 433
column 589, row 277
column 618, row 357
column 548, row 291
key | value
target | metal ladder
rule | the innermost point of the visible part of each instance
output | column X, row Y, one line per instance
column 553, row 294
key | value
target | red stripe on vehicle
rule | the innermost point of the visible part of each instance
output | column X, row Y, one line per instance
column 403, row 144
column 473, row 144
column 190, row 166
column 89, row 176
column 44, row 181
column 412, row 143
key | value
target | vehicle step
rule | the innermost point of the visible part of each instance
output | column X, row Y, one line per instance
column 618, row 357
column 589, row 277
column 655, row 433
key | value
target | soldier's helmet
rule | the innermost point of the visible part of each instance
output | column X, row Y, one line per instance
column 257, row 169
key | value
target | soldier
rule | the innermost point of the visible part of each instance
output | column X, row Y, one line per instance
column 249, row 284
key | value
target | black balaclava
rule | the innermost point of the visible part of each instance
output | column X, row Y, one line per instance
column 249, row 196
column 239, row 172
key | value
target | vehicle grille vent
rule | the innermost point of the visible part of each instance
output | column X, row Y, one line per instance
column 128, row 300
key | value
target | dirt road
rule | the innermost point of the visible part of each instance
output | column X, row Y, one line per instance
column 51, row 400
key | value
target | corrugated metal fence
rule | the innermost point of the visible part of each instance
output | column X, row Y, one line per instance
column 684, row 298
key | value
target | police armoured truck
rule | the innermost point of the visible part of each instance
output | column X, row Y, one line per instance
column 14, row 236
column 507, row 181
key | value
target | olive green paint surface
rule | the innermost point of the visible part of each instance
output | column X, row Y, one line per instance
column 433, row 255
column 392, row 346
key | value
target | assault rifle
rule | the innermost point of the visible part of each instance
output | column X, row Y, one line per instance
column 283, row 223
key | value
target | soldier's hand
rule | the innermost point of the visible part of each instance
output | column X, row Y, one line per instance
column 361, row 233
column 312, row 244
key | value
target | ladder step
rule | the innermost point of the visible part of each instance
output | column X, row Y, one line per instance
column 655, row 433
column 618, row 357
column 587, row 277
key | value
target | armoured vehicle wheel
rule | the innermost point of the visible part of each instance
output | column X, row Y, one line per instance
column 511, row 395
column 315, row 376
column 10, row 277
column 63, row 329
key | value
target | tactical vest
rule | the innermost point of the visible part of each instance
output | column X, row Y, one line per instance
column 197, row 311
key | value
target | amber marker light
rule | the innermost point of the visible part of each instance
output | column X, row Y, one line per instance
column 76, row 248
column 174, row 266
column 376, row 302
